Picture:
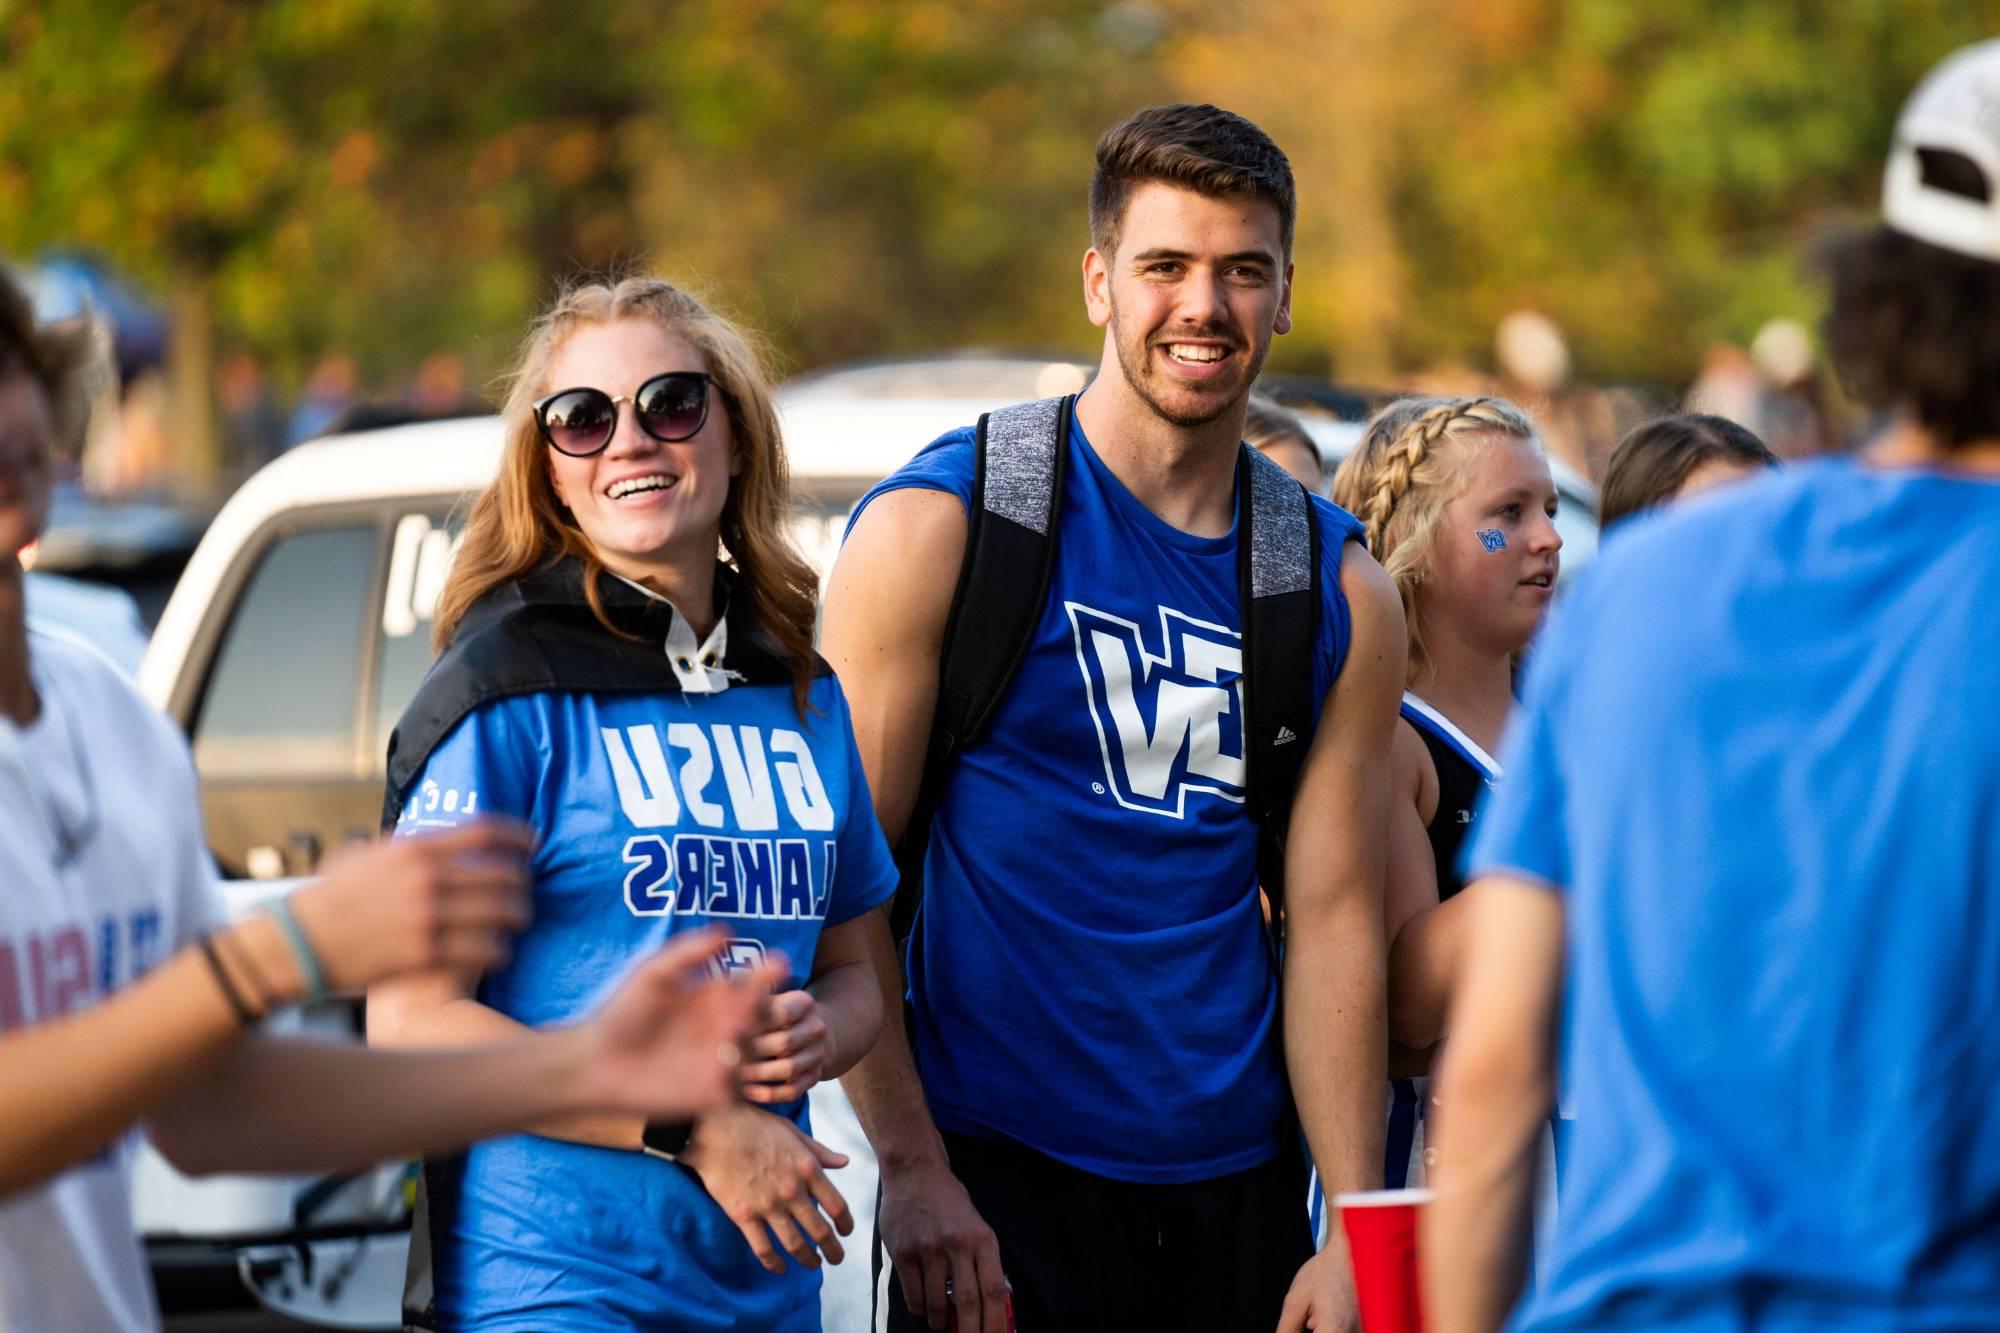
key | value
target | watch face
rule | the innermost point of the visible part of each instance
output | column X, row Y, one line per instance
column 667, row 1139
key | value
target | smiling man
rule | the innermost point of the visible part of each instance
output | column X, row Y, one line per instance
column 1097, row 1112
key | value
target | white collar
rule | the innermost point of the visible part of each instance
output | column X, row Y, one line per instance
column 697, row 665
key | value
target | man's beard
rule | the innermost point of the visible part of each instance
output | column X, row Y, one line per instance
column 1136, row 377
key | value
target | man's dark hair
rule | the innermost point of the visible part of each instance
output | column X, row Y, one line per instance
column 55, row 356
column 1915, row 328
column 1201, row 148
column 1656, row 458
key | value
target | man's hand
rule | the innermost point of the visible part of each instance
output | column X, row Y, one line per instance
column 939, row 1244
column 771, row 1181
column 431, row 901
column 790, row 1051
column 1322, row 1294
column 666, row 1044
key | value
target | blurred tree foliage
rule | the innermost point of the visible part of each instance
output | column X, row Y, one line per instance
column 1651, row 175
column 880, row 176
column 853, row 176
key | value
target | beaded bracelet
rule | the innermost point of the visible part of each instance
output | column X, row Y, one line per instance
column 244, row 1013
column 310, row 973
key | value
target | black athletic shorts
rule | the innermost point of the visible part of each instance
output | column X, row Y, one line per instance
column 1087, row 1254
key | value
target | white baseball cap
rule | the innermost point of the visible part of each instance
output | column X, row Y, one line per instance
column 1942, row 185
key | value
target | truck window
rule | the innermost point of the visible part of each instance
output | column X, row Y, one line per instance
column 420, row 553
column 280, row 696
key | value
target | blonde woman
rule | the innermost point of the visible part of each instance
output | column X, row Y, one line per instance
column 129, row 1002
column 1460, row 507
column 662, row 721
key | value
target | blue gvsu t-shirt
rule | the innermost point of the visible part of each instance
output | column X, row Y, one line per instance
column 1758, row 755
column 1089, row 972
column 658, row 814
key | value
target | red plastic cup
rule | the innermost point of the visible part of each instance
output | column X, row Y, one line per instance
column 1381, row 1228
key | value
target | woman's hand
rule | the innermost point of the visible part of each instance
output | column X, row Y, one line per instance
column 789, row 1053
column 667, row 1044
column 771, row 1181
column 447, row 900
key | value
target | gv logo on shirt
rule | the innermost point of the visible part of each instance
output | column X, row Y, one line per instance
column 1168, row 722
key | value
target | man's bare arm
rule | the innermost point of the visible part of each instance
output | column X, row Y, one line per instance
column 1336, row 1042
column 1495, row 1086
column 886, row 607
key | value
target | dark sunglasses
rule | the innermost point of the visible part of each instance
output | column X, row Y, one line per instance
column 581, row 422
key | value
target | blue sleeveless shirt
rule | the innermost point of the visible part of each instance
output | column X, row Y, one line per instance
column 1089, row 972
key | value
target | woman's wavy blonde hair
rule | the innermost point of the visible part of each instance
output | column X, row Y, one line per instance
column 1409, row 465
column 518, row 523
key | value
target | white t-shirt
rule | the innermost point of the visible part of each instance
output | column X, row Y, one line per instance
column 103, row 874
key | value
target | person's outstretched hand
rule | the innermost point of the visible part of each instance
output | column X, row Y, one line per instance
column 448, row 900
column 668, row 1043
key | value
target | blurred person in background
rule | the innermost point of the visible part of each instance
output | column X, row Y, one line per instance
column 1677, row 456
column 1077, row 1119
column 1744, row 873
column 1277, row 434
column 1460, row 508
column 438, row 390
column 1532, row 355
column 125, row 995
column 685, row 758
column 1794, row 418
column 1774, row 390
column 1727, row 385
column 330, row 391
column 252, row 426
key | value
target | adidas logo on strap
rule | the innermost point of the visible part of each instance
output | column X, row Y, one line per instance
column 1285, row 736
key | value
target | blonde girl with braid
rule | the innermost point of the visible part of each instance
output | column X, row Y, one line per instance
column 1460, row 507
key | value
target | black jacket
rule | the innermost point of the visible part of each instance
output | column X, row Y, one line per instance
column 538, row 634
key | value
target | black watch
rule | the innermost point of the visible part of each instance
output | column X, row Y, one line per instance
column 666, row 1139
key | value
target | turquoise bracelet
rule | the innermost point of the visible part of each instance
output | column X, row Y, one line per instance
column 302, row 950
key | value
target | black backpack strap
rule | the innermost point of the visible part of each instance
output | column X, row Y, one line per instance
column 1021, row 454
column 1277, row 567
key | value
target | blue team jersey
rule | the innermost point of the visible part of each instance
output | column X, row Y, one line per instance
column 1089, row 972
column 657, row 814
column 1759, row 756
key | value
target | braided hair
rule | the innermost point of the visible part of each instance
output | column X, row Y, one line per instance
column 1401, row 475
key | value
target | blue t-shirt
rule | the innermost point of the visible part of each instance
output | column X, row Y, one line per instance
column 1089, row 971
column 657, row 814
column 1759, row 756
